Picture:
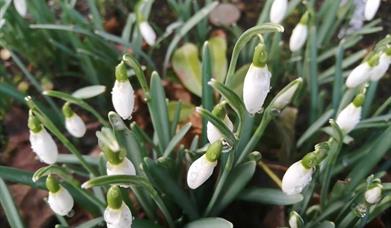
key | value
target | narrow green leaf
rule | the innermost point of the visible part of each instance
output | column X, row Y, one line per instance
column 176, row 139
column 269, row 196
column 117, row 179
column 214, row 222
column 8, row 205
column 338, row 79
column 186, row 110
column 315, row 127
column 218, row 57
column 96, row 222
column 207, row 92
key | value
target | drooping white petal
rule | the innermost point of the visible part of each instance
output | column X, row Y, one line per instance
column 371, row 7
column 293, row 222
column 61, row 202
column 278, row 10
column 118, row 218
column 256, row 87
column 214, row 134
column 349, row 117
column 298, row 37
column 359, row 75
column 200, row 171
column 379, row 70
column 296, row 178
column 126, row 167
column 75, row 126
column 147, row 32
column 373, row 195
column 21, row 7
column 122, row 97
column 44, row 146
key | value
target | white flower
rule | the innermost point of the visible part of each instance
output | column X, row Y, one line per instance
column 214, row 134
column 122, row 97
column 298, row 37
column 44, row 146
column 295, row 221
column 278, row 11
column 373, row 195
column 256, row 87
column 147, row 32
column 296, row 178
column 75, row 125
column 379, row 70
column 359, row 75
column 349, row 117
column 21, row 7
column 284, row 98
column 126, row 167
column 371, row 7
column 61, row 202
column 118, row 218
column 200, row 171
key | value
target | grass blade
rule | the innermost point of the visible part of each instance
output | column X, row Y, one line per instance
column 269, row 196
column 8, row 205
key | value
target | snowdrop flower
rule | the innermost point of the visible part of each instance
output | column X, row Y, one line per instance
column 122, row 94
column 380, row 69
column 41, row 141
column 373, row 194
column 284, row 97
column 362, row 72
column 257, row 81
column 296, row 178
column 73, row 123
column 21, row 7
column 117, row 214
column 213, row 132
column 60, row 201
column 371, row 7
column 295, row 220
column 299, row 34
column 349, row 117
column 278, row 11
column 147, row 32
column 203, row 167
column 124, row 167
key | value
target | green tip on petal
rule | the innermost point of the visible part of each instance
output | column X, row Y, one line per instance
column 114, row 198
column 305, row 18
column 388, row 50
column 260, row 55
column 120, row 72
column 359, row 100
column 33, row 123
column 214, row 151
column 314, row 158
column 373, row 60
column 52, row 184
column 66, row 110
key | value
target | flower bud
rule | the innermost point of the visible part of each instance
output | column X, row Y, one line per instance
column 295, row 220
column 371, row 7
column 257, row 82
column 379, row 70
column 147, row 32
column 122, row 94
column 296, row 178
column 213, row 132
column 21, row 7
column 284, row 97
column 203, row 167
column 278, row 11
column 373, row 194
column 60, row 201
column 350, row 116
column 299, row 34
column 117, row 213
column 73, row 123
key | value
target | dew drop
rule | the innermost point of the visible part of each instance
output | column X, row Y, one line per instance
column 71, row 213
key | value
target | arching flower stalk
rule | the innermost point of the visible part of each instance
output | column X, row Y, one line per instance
column 350, row 116
column 203, row 167
column 212, row 131
column 41, row 141
column 73, row 123
column 117, row 213
column 299, row 33
column 257, row 81
column 60, row 201
column 278, row 11
column 122, row 94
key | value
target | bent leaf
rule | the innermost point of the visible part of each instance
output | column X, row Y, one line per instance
column 269, row 196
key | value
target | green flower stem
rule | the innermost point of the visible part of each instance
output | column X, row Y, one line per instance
column 52, row 128
column 135, row 65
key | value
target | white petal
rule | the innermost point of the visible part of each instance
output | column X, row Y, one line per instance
column 118, row 218
column 278, row 11
column 147, row 32
column 61, row 202
column 75, row 126
column 285, row 98
column 255, row 88
column 293, row 223
column 200, row 171
column 21, row 7
column 359, row 75
column 296, row 178
column 44, row 146
column 379, row 70
column 214, row 134
column 122, row 97
column 371, row 8
column 373, row 195
column 126, row 167
column 349, row 117
column 298, row 37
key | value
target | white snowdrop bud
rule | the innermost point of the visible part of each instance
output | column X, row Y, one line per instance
column 359, row 75
column 284, row 97
column 350, row 116
column 59, row 199
column 379, row 70
column 299, row 34
column 73, row 123
column 371, row 7
column 373, row 195
column 278, row 10
column 125, row 167
column 203, row 167
column 147, row 32
column 214, row 134
column 295, row 220
column 21, row 7
column 122, row 94
column 296, row 178
column 117, row 213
